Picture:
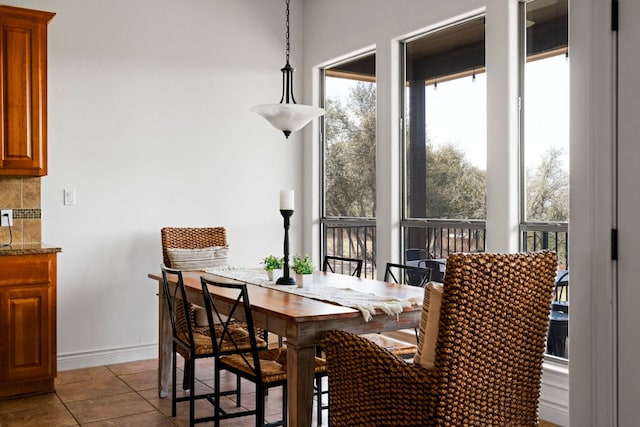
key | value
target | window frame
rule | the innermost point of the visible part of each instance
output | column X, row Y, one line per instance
column 357, row 223
column 406, row 221
column 525, row 227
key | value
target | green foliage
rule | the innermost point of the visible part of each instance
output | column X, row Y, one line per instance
column 272, row 262
column 548, row 189
column 452, row 187
column 302, row 264
column 455, row 188
column 350, row 162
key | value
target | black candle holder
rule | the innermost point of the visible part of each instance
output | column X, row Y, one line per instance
column 286, row 279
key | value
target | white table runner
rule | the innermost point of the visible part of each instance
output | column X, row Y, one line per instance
column 366, row 303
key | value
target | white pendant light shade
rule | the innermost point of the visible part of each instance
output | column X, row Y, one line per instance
column 288, row 117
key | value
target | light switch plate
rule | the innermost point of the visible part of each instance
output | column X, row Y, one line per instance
column 69, row 196
column 6, row 217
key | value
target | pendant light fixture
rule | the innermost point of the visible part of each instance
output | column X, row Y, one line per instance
column 288, row 116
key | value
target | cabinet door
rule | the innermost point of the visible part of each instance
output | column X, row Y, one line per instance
column 23, row 91
column 27, row 318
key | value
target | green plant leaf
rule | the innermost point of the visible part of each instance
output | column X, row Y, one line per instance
column 302, row 264
column 272, row 262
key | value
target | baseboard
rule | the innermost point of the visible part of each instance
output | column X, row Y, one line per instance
column 554, row 394
column 88, row 359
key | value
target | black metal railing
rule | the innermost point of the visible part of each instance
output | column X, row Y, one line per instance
column 438, row 239
column 555, row 237
column 352, row 238
column 552, row 236
column 356, row 238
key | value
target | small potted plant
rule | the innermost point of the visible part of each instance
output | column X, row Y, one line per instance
column 303, row 267
column 273, row 266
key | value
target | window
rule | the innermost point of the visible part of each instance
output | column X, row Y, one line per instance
column 545, row 148
column 445, row 141
column 349, row 161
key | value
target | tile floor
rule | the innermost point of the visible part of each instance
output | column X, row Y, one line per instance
column 126, row 395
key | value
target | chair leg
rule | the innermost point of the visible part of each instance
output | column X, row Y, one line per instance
column 174, row 382
column 319, row 399
column 259, row 406
column 285, row 415
column 216, row 394
column 192, row 392
column 238, row 393
column 187, row 371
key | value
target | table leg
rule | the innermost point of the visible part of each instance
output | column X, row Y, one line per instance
column 300, row 366
column 164, row 344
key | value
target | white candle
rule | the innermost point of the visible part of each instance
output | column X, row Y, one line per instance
column 286, row 200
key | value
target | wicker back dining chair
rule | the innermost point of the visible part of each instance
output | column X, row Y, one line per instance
column 488, row 354
column 190, row 238
column 195, row 238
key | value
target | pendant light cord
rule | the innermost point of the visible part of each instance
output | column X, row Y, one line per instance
column 287, row 116
column 288, row 48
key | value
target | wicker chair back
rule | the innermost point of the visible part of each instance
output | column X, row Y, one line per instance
column 191, row 238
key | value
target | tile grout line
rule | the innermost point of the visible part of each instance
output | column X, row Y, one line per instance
column 155, row 409
column 68, row 410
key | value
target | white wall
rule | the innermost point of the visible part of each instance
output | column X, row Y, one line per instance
column 149, row 121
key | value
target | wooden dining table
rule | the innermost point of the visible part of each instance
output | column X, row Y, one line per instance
column 299, row 319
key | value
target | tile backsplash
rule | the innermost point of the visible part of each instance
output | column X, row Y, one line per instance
column 22, row 194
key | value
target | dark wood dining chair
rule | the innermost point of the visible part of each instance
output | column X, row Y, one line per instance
column 191, row 343
column 342, row 265
column 437, row 267
column 412, row 275
column 266, row 368
column 397, row 347
column 409, row 275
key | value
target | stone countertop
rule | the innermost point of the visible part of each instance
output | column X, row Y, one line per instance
column 29, row 249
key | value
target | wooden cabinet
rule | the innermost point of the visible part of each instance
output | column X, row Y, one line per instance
column 28, row 358
column 23, row 91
